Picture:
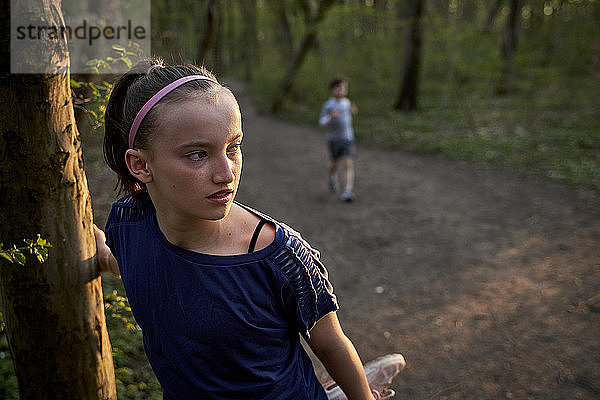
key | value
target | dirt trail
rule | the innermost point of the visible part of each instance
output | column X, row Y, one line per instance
column 478, row 277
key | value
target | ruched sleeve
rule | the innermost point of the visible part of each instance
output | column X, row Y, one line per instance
column 309, row 294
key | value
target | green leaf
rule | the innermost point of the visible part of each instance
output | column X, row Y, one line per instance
column 118, row 47
column 6, row 255
column 126, row 61
column 75, row 84
column 42, row 254
column 19, row 258
column 42, row 242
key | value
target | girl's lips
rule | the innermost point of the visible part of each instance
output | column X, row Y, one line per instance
column 221, row 197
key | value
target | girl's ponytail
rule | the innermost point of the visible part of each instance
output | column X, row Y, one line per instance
column 117, row 130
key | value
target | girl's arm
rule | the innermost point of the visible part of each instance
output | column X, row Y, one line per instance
column 340, row 358
column 106, row 261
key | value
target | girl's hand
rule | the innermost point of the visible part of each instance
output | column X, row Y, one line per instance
column 106, row 260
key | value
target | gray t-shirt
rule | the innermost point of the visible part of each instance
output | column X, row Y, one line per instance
column 340, row 128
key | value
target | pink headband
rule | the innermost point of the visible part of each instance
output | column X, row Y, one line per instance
column 156, row 98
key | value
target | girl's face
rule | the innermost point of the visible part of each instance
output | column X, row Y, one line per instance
column 195, row 158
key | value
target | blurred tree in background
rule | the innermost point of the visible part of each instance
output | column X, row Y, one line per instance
column 511, row 82
column 471, row 41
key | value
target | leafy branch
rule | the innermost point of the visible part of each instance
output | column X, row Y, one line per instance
column 38, row 247
column 92, row 98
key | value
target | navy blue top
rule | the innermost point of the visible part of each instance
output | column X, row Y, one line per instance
column 222, row 327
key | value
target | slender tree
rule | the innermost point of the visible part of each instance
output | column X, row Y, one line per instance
column 307, row 9
column 492, row 14
column 407, row 98
column 250, row 48
column 209, row 39
column 509, row 47
column 287, row 38
column 307, row 43
column 54, row 311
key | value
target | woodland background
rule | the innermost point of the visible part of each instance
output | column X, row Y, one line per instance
column 513, row 83
column 509, row 83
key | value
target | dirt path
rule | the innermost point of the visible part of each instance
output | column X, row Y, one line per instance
column 478, row 277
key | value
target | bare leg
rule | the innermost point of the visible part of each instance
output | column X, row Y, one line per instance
column 333, row 167
column 349, row 169
column 333, row 181
column 348, row 194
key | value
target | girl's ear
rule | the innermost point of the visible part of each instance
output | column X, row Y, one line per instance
column 136, row 163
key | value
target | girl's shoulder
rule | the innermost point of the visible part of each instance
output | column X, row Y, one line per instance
column 131, row 208
column 294, row 240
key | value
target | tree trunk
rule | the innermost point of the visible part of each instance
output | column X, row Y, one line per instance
column 306, row 7
column 299, row 55
column 207, row 44
column 509, row 47
column 407, row 99
column 54, row 311
column 492, row 14
column 250, row 47
column 287, row 38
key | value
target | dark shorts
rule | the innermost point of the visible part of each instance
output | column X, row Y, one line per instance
column 341, row 148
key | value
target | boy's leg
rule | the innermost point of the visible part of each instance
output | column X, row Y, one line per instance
column 348, row 194
column 333, row 181
column 333, row 167
column 349, row 170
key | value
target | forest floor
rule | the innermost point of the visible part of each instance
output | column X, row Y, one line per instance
column 479, row 277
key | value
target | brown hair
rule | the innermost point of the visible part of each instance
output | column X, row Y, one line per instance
column 128, row 96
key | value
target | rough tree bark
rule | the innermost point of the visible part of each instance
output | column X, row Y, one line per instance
column 409, row 86
column 54, row 311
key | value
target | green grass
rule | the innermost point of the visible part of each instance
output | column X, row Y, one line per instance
column 8, row 381
column 134, row 377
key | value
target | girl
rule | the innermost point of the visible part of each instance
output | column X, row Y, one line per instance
column 219, row 289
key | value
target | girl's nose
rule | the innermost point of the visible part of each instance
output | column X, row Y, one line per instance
column 224, row 169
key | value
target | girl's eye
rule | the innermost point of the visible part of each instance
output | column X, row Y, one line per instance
column 235, row 147
column 196, row 155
